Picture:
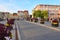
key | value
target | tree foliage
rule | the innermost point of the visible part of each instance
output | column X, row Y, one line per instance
column 36, row 13
column 39, row 13
column 45, row 13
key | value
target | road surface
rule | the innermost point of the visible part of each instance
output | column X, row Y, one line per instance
column 30, row 31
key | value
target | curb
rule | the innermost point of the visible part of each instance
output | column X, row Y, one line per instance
column 16, row 33
column 18, row 37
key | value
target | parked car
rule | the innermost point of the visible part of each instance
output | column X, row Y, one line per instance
column 1, row 19
column 31, row 20
column 34, row 19
column 55, row 22
column 42, row 21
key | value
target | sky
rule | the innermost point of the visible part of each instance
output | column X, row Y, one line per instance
column 15, row 5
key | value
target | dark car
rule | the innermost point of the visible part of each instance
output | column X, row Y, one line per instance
column 42, row 21
column 34, row 19
column 55, row 22
column 1, row 19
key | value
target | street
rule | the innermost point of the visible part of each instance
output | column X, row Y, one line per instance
column 30, row 31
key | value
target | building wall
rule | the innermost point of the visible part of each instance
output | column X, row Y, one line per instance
column 52, row 9
column 26, row 13
column 1, row 15
column 23, row 14
column 4, row 15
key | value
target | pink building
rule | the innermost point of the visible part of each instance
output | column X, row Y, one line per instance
column 54, row 10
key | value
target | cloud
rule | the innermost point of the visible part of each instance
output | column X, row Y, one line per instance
column 8, row 7
column 3, row 8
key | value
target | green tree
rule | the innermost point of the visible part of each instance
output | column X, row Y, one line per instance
column 41, row 14
column 36, row 13
column 45, row 13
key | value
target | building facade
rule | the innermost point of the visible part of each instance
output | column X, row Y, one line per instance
column 53, row 10
column 4, row 15
column 15, row 16
column 26, row 14
column 23, row 14
column 1, row 14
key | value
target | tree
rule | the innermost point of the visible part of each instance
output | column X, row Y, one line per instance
column 36, row 13
column 45, row 13
column 41, row 14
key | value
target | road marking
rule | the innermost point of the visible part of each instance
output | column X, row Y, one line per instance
column 45, row 26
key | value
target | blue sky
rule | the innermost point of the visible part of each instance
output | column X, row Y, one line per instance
column 15, row 5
